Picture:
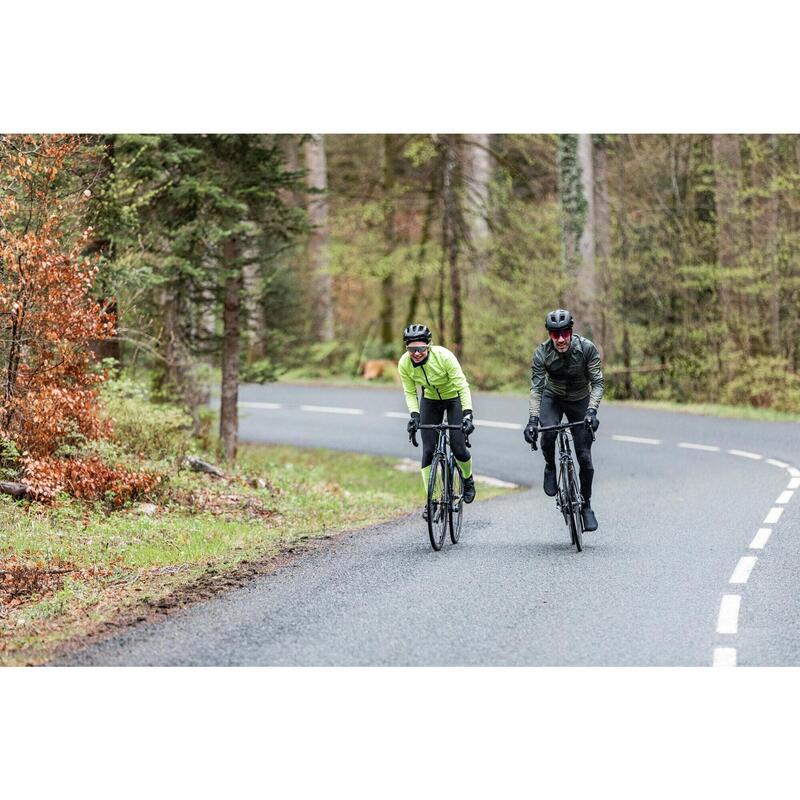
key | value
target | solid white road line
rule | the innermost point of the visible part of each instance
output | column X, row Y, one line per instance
column 396, row 414
column 776, row 463
column 636, row 439
column 784, row 498
column 745, row 454
column 332, row 410
column 794, row 483
column 760, row 539
column 250, row 404
column 794, row 472
column 743, row 569
column 728, row 620
column 691, row 446
column 724, row 656
column 773, row 516
column 488, row 423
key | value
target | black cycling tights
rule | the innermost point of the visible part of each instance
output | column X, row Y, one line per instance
column 431, row 412
column 550, row 413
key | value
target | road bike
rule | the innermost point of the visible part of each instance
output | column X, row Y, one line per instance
column 568, row 497
column 445, row 501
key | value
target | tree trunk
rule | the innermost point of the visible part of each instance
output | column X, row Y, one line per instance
column 727, row 185
column 765, row 230
column 602, row 244
column 318, row 256
column 254, row 315
column 416, row 286
column 477, row 177
column 229, row 417
column 389, row 238
column 586, row 279
column 573, row 207
column 450, row 242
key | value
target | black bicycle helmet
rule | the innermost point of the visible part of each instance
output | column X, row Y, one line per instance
column 417, row 333
column 559, row 320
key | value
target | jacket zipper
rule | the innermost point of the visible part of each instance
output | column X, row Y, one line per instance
column 429, row 383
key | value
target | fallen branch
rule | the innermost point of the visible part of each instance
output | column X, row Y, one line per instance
column 23, row 568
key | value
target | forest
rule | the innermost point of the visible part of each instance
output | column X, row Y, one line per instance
column 201, row 261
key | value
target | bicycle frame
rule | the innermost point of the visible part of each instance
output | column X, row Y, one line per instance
column 568, row 499
column 441, row 512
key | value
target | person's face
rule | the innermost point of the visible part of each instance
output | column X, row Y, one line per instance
column 417, row 351
column 561, row 340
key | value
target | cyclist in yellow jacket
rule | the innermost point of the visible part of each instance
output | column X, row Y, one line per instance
column 444, row 389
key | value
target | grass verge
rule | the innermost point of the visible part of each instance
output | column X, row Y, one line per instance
column 74, row 571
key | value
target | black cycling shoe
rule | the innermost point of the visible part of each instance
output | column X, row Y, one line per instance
column 589, row 519
column 550, row 487
column 425, row 513
column 469, row 489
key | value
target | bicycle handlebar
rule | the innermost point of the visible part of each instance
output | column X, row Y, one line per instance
column 562, row 427
column 440, row 427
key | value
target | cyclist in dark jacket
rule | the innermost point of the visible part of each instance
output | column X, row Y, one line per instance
column 566, row 379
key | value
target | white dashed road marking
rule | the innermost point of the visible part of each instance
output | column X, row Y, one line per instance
column 760, row 539
column 794, row 472
column 776, row 463
column 773, row 516
column 724, row 656
column 636, row 439
column 395, row 415
column 489, row 423
column 728, row 620
column 745, row 454
column 743, row 569
column 250, row 404
column 332, row 410
column 691, row 446
column 784, row 498
column 794, row 483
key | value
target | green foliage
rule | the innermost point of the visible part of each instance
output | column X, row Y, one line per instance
column 156, row 431
column 9, row 460
column 763, row 383
column 262, row 371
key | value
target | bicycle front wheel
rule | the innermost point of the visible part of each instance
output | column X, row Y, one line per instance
column 456, row 506
column 575, row 518
column 563, row 499
column 437, row 503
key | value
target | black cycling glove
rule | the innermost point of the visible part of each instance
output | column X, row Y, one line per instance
column 413, row 423
column 531, row 434
column 468, row 425
column 591, row 419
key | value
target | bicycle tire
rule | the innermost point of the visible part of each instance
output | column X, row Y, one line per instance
column 576, row 520
column 437, row 503
column 456, row 505
column 563, row 501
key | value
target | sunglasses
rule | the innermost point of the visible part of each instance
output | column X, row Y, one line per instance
column 415, row 350
column 556, row 335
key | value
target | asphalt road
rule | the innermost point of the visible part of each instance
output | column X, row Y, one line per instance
column 695, row 562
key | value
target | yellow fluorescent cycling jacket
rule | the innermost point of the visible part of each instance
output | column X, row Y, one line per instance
column 440, row 377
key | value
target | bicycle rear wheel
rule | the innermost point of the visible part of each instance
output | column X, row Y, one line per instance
column 456, row 509
column 437, row 503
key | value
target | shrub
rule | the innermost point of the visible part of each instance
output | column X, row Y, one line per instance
column 142, row 428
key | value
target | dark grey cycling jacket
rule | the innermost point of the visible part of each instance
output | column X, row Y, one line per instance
column 570, row 376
